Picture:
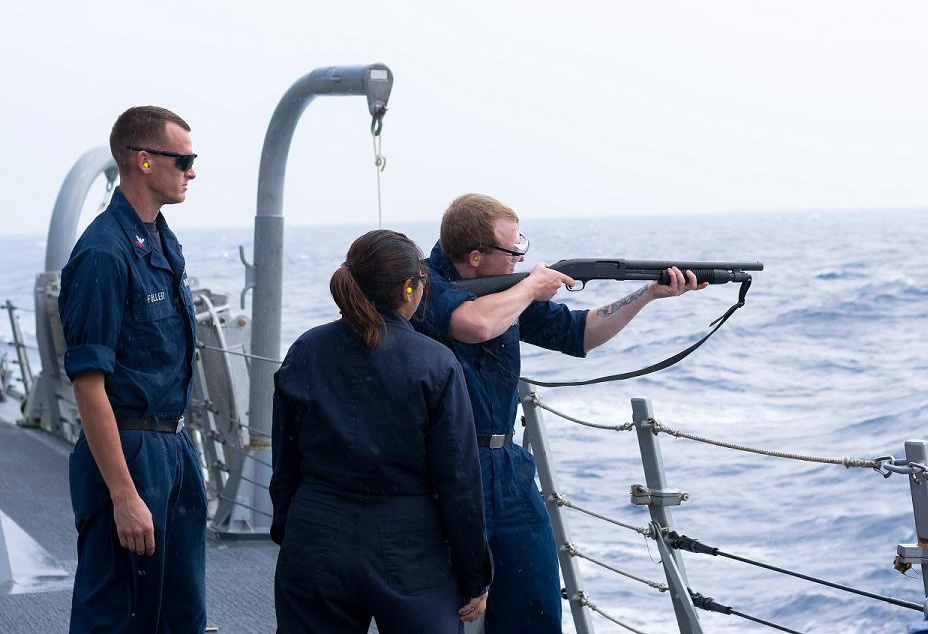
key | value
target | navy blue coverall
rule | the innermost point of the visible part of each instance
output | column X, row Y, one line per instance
column 126, row 310
column 376, row 485
column 525, row 596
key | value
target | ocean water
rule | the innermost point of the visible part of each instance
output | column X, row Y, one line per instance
column 828, row 358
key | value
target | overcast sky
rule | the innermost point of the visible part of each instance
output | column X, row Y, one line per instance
column 557, row 108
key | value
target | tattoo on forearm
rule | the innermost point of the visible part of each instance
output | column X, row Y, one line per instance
column 607, row 310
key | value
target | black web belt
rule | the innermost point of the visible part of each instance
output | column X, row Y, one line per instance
column 151, row 423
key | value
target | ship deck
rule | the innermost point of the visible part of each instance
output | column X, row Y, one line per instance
column 35, row 511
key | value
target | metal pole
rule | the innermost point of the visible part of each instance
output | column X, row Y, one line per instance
column 676, row 579
column 653, row 463
column 21, row 357
column 915, row 451
column 535, row 430
column 373, row 81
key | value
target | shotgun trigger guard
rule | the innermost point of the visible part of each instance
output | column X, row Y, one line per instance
column 579, row 285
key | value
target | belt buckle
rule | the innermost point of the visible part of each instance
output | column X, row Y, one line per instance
column 180, row 425
column 497, row 441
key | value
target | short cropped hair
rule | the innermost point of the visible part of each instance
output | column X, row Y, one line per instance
column 469, row 223
column 137, row 127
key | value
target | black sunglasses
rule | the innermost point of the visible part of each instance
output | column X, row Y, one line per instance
column 184, row 161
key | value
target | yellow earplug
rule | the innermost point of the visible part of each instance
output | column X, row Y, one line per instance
column 409, row 289
column 476, row 258
column 146, row 164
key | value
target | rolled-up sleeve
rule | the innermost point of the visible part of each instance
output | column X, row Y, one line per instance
column 92, row 304
column 553, row 326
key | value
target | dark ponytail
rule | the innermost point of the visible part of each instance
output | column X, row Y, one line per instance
column 373, row 273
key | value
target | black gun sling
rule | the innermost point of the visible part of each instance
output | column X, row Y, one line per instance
column 666, row 363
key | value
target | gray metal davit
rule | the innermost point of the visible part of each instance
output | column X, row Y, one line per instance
column 265, row 276
column 50, row 402
column 62, row 230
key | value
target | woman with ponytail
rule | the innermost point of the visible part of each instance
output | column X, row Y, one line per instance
column 377, row 496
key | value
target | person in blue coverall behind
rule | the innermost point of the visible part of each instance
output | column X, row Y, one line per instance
column 128, row 317
column 376, row 481
column 480, row 237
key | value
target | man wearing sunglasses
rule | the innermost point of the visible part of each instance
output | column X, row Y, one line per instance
column 480, row 237
column 129, row 323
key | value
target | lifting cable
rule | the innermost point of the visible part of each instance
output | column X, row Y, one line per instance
column 682, row 542
column 380, row 161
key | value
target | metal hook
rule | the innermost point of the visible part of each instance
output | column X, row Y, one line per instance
column 377, row 121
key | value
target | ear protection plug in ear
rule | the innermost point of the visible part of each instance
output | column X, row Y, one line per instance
column 476, row 258
column 409, row 289
column 146, row 164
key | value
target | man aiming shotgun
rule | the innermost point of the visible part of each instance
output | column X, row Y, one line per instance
column 480, row 240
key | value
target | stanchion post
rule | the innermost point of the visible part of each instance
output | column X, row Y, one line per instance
column 535, row 431
column 21, row 357
column 657, row 496
column 916, row 451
